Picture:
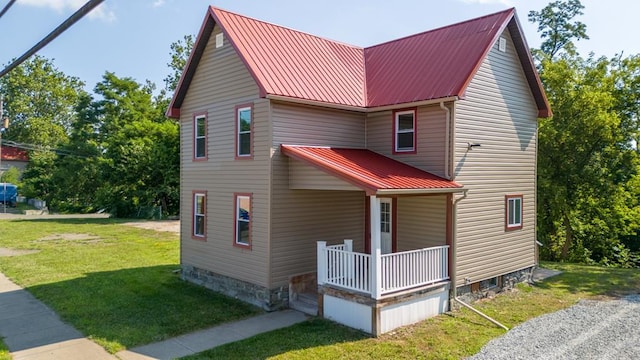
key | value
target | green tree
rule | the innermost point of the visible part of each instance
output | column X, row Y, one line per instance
column 11, row 176
column 40, row 101
column 180, row 51
column 557, row 28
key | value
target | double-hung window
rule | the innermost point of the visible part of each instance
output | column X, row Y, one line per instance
column 199, row 215
column 513, row 212
column 200, row 137
column 404, row 131
column 242, row 220
column 244, row 119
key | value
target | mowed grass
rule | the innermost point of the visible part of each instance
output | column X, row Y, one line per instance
column 455, row 335
column 117, row 284
column 4, row 351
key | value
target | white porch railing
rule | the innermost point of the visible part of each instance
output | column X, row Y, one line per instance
column 339, row 266
column 409, row 269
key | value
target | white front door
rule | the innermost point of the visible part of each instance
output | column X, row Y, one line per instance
column 386, row 225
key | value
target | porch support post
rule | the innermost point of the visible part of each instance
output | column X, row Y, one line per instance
column 322, row 262
column 348, row 245
column 376, row 261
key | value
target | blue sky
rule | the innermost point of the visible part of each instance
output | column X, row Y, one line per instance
column 131, row 37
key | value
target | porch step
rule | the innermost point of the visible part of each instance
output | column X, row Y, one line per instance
column 305, row 302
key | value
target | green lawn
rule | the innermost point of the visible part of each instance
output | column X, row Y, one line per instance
column 4, row 352
column 117, row 284
column 450, row 336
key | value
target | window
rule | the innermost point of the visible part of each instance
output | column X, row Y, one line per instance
column 243, row 129
column 199, row 215
column 243, row 220
column 404, row 131
column 513, row 212
column 200, row 137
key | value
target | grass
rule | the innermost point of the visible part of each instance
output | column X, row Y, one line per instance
column 117, row 284
column 455, row 335
column 4, row 351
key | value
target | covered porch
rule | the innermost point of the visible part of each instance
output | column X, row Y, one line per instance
column 401, row 274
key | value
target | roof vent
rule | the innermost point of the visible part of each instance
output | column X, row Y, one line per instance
column 219, row 40
column 502, row 44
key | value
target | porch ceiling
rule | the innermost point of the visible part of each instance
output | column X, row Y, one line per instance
column 374, row 173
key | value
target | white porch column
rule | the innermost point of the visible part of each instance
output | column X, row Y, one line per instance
column 376, row 252
column 322, row 262
column 348, row 245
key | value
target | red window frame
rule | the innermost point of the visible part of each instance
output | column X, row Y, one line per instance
column 196, row 117
column 236, row 220
column 194, row 195
column 395, row 131
column 239, row 156
column 507, row 200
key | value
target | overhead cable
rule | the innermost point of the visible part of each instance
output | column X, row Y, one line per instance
column 6, row 7
column 84, row 10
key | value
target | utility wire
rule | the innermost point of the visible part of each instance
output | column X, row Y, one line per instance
column 84, row 10
column 6, row 7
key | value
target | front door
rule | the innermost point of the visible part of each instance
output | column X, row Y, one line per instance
column 386, row 225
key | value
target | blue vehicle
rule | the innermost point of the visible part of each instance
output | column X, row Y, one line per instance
column 8, row 194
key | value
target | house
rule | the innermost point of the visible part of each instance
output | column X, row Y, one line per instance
column 13, row 157
column 381, row 181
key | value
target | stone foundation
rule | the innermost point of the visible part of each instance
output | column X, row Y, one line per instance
column 267, row 299
column 489, row 288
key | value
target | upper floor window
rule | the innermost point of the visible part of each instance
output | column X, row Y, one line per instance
column 243, row 220
column 513, row 212
column 404, row 131
column 244, row 119
column 200, row 137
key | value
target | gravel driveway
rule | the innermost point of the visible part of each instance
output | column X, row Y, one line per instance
column 587, row 330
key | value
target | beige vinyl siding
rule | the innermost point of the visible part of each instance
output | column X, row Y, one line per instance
column 422, row 222
column 302, row 217
column 431, row 138
column 220, row 83
column 499, row 113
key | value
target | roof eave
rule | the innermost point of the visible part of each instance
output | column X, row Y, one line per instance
column 419, row 191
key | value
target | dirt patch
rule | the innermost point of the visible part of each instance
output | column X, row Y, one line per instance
column 71, row 237
column 5, row 252
column 164, row 225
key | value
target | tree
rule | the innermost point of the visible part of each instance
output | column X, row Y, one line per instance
column 40, row 101
column 180, row 51
column 555, row 25
column 587, row 168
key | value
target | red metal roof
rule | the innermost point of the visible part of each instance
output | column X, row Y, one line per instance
column 436, row 64
column 10, row 153
column 370, row 171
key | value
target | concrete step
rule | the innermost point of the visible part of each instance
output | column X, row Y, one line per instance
column 306, row 303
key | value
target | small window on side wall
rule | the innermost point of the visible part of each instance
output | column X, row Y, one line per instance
column 199, row 215
column 404, row 131
column 243, row 216
column 244, row 126
column 513, row 212
column 200, row 137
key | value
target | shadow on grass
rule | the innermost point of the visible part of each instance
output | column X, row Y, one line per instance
column 136, row 306
column 592, row 280
column 314, row 333
column 76, row 221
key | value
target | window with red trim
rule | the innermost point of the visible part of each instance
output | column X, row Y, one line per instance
column 513, row 212
column 200, row 137
column 404, row 131
column 242, row 220
column 199, row 230
column 244, row 120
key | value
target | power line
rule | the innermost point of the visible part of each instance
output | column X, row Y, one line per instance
column 84, row 10
column 6, row 7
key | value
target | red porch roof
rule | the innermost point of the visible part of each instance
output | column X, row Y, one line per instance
column 436, row 64
column 374, row 173
column 10, row 153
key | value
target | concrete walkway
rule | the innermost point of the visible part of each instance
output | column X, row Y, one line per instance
column 32, row 331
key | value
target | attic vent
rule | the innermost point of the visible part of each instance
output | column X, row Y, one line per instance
column 502, row 44
column 219, row 40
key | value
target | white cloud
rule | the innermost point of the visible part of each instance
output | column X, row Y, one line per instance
column 158, row 3
column 102, row 12
column 485, row 2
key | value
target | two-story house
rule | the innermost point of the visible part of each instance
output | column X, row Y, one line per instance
column 384, row 181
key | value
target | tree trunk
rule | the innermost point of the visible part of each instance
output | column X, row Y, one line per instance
column 568, row 240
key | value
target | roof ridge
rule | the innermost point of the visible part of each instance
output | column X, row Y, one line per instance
column 287, row 28
column 512, row 9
